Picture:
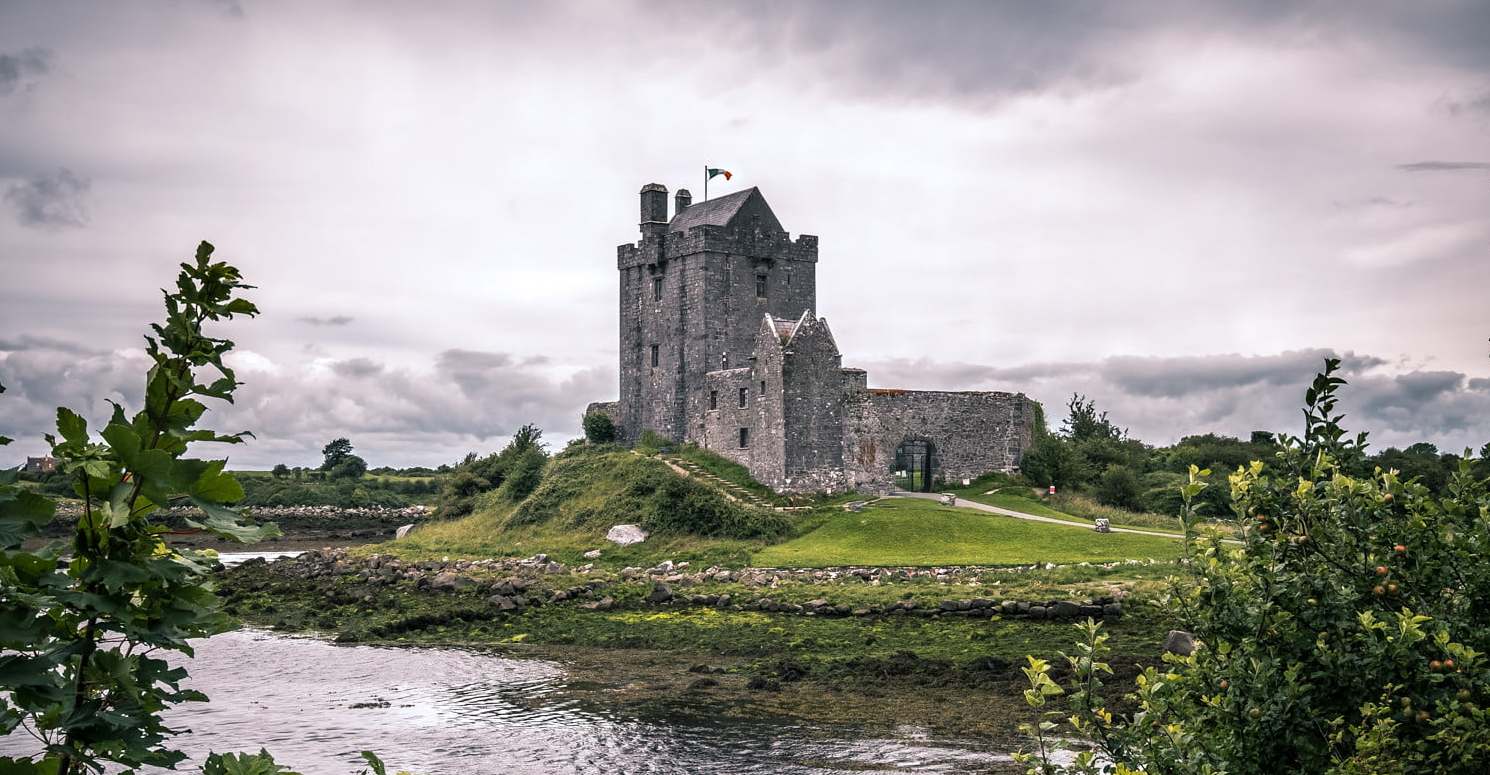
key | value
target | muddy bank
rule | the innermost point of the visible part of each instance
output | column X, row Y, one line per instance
column 864, row 648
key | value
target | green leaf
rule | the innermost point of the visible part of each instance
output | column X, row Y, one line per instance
column 216, row 486
column 72, row 426
column 223, row 522
column 124, row 441
column 375, row 763
column 22, row 514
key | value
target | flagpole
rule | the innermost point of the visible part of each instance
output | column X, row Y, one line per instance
column 706, row 182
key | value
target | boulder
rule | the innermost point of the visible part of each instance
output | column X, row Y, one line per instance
column 660, row 593
column 626, row 535
column 504, row 603
column 450, row 580
column 603, row 604
column 402, row 531
column 1064, row 610
column 1112, row 610
column 1180, row 642
column 593, row 554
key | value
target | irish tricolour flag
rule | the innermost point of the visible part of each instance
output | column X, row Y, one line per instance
column 714, row 172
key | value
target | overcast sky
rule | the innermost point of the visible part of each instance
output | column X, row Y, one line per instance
column 1174, row 208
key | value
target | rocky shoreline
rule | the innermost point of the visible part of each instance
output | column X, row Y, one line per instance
column 514, row 584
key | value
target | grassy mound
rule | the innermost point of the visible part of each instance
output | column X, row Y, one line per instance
column 596, row 487
column 910, row 532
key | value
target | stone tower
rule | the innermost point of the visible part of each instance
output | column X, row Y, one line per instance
column 693, row 292
column 721, row 346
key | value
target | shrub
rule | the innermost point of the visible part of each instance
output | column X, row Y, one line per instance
column 524, row 475
column 1119, row 487
column 595, row 487
column 477, row 475
column 651, row 442
column 599, row 428
column 1345, row 634
column 350, row 467
column 1053, row 460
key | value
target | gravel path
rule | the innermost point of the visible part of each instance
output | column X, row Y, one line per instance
column 967, row 504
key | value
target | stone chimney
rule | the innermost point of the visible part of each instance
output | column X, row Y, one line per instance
column 681, row 200
column 654, row 209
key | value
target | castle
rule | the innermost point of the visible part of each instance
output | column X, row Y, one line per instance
column 721, row 347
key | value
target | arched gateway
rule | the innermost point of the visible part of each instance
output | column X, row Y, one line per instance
column 913, row 469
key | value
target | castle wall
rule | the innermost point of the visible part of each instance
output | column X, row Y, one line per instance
column 721, row 426
column 812, row 398
column 971, row 433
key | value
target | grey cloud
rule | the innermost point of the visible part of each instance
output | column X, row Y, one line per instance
column 50, row 200
column 24, row 342
column 466, row 400
column 1178, row 377
column 1161, row 399
column 980, row 50
column 16, row 68
column 1375, row 201
column 1480, row 104
column 356, row 368
column 335, row 320
column 1444, row 166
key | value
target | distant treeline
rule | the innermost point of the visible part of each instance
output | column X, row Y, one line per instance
column 1092, row 455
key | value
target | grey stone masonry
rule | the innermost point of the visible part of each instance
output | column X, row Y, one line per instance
column 720, row 346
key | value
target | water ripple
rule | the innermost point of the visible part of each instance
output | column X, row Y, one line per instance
column 460, row 712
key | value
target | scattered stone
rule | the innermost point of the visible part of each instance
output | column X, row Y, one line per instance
column 1112, row 610
column 593, row 554
column 504, row 603
column 450, row 580
column 626, row 535
column 701, row 684
column 400, row 533
column 762, row 683
column 603, row 604
column 660, row 593
column 1064, row 610
column 1180, row 642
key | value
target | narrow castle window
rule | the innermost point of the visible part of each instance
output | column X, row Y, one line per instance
column 744, row 438
column 654, row 356
column 656, row 289
column 763, row 388
column 744, row 396
column 760, row 286
column 713, row 399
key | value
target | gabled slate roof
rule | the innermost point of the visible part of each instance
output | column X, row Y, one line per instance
column 727, row 210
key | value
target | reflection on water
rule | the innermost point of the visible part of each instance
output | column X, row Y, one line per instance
column 458, row 712
column 229, row 559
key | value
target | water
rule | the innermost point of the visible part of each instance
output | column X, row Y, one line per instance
column 444, row 711
column 229, row 559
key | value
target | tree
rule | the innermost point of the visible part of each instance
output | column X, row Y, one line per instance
column 1345, row 633
column 83, row 618
column 524, row 455
column 1052, row 460
column 350, row 467
column 1119, row 487
column 334, row 452
column 599, row 428
column 1084, row 422
column 280, row 471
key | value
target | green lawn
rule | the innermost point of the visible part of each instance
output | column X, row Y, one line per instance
column 1015, row 499
column 907, row 532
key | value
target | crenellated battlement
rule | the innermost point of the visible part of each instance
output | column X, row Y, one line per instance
column 776, row 246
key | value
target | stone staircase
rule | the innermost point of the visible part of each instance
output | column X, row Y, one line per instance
column 731, row 490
